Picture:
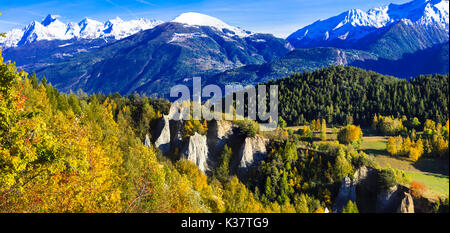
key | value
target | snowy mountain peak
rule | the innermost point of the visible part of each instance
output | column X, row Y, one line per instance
column 193, row 18
column 88, row 21
column 355, row 24
column 197, row 19
column 50, row 28
column 114, row 21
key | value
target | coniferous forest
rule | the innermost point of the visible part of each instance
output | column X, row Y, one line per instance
column 338, row 92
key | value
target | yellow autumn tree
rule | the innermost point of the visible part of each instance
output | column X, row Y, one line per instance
column 391, row 146
column 350, row 134
column 238, row 199
column 305, row 131
column 50, row 161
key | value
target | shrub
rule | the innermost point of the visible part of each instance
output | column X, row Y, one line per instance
column 441, row 206
column 194, row 126
column 282, row 123
column 361, row 159
column 248, row 128
column 342, row 167
column 417, row 189
column 390, row 126
column 386, row 179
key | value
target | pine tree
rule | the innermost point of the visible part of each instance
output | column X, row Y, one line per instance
column 301, row 204
column 268, row 190
column 350, row 208
column 323, row 131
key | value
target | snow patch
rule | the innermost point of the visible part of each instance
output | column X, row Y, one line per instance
column 181, row 37
column 259, row 40
column 197, row 19
column 64, row 45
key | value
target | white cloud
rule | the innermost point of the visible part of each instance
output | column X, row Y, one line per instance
column 10, row 22
column 145, row 2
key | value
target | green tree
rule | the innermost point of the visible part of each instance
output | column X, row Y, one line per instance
column 342, row 167
column 248, row 128
column 268, row 190
column 301, row 204
column 282, row 123
column 284, row 190
column 350, row 208
column 323, row 130
column 386, row 179
column 223, row 171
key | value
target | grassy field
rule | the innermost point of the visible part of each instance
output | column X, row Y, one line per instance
column 437, row 185
column 433, row 173
column 374, row 145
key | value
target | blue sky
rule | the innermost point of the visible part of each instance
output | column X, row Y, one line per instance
column 279, row 17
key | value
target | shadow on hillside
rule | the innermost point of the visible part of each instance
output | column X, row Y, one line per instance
column 437, row 166
column 375, row 152
column 427, row 61
column 368, row 132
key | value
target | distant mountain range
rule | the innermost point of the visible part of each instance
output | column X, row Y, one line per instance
column 40, row 44
column 150, row 56
column 399, row 40
column 298, row 60
column 395, row 29
column 51, row 28
column 172, row 53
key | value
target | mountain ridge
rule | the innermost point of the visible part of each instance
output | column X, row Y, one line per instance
column 51, row 28
column 352, row 29
column 152, row 61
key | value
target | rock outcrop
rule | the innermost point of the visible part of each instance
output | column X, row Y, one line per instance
column 347, row 192
column 395, row 199
column 196, row 150
column 163, row 131
column 253, row 150
column 219, row 133
column 168, row 134
column 147, row 142
column 176, row 124
column 407, row 204
column 176, row 135
column 366, row 189
column 386, row 200
column 370, row 199
column 423, row 205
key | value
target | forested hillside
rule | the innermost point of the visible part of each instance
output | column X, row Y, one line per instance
column 80, row 153
column 63, row 153
column 346, row 94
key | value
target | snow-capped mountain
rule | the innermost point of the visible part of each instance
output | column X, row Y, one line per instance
column 154, row 60
column 197, row 19
column 356, row 24
column 51, row 28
